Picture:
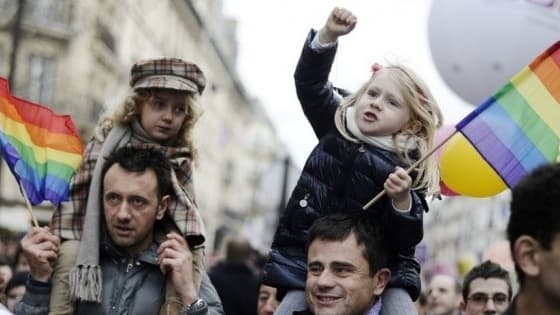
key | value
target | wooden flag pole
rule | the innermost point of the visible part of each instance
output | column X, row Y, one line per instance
column 413, row 166
column 29, row 208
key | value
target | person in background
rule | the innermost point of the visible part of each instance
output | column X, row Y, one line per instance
column 267, row 302
column 444, row 295
column 365, row 142
column 422, row 304
column 486, row 290
column 5, row 275
column 534, row 234
column 235, row 278
column 15, row 289
column 20, row 262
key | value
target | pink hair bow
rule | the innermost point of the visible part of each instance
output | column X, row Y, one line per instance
column 375, row 67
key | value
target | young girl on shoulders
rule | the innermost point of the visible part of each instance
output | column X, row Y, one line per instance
column 366, row 141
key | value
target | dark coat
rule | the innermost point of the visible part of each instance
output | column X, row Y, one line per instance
column 339, row 175
column 237, row 286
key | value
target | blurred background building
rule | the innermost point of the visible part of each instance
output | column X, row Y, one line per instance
column 75, row 57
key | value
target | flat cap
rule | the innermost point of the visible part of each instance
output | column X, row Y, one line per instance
column 167, row 73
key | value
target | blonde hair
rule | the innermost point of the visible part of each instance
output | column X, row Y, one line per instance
column 130, row 108
column 425, row 114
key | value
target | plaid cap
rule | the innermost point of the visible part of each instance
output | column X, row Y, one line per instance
column 167, row 73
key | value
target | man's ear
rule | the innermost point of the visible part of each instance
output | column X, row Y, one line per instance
column 526, row 252
column 162, row 207
column 382, row 277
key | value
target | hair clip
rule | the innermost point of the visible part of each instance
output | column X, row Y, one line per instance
column 375, row 67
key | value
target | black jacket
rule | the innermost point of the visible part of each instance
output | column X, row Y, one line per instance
column 238, row 287
column 339, row 175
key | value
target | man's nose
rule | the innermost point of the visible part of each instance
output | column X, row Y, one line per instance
column 122, row 212
column 490, row 307
column 325, row 279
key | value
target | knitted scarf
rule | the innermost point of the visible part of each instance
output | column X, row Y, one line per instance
column 85, row 279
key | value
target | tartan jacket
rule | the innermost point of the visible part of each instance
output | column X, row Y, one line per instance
column 68, row 218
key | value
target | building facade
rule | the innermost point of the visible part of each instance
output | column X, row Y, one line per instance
column 75, row 57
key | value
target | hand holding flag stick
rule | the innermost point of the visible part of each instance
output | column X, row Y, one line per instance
column 408, row 170
column 514, row 131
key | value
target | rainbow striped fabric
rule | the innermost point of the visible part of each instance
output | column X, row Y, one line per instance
column 518, row 128
column 42, row 149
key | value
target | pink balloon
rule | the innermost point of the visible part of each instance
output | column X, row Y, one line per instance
column 446, row 191
column 441, row 134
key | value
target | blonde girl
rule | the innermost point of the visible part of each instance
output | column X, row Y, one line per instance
column 366, row 141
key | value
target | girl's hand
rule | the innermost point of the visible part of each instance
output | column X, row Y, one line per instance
column 397, row 187
column 340, row 22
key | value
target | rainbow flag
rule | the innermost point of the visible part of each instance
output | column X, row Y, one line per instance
column 42, row 149
column 518, row 128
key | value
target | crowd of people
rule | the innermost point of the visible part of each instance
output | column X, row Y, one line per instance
column 131, row 238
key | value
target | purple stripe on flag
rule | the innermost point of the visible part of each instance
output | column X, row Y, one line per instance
column 472, row 115
column 494, row 151
column 513, row 136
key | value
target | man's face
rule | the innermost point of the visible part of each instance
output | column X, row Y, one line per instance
column 486, row 296
column 5, row 275
column 338, row 278
column 443, row 299
column 549, row 272
column 267, row 302
column 131, row 206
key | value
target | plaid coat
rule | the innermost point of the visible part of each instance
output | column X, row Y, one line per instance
column 68, row 218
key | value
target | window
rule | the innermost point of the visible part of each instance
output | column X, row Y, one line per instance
column 41, row 79
column 105, row 36
column 51, row 12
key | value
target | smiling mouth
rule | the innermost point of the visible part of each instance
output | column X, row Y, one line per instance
column 326, row 301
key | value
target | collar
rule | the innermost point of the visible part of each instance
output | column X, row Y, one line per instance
column 148, row 256
column 376, row 308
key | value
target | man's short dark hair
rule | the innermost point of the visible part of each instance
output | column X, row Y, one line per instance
column 338, row 226
column 238, row 250
column 138, row 160
column 18, row 279
column 485, row 270
column 534, row 208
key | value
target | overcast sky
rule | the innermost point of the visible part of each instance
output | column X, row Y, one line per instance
column 271, row 34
